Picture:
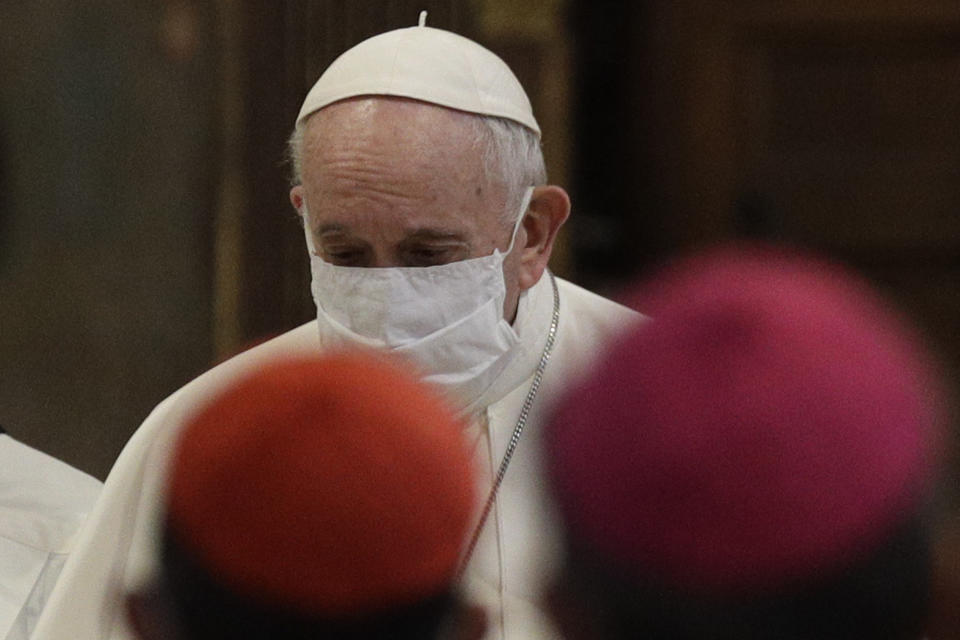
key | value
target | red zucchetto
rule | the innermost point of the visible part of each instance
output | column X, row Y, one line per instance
column 333, row 486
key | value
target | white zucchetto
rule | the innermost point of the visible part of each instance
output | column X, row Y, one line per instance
column 426, row 64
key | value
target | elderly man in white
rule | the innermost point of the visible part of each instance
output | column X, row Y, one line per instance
column 421, row 185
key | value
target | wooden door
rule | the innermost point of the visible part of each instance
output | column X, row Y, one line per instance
column 834, row 126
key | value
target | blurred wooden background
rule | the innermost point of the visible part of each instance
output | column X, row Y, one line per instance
column 145, row 231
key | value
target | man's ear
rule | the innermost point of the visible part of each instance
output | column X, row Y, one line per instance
column 548, row 210
column 296, row 198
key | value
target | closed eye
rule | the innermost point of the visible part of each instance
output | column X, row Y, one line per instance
column 338, row 246
column 346, row 257
column 428, row 256
column 429, row 247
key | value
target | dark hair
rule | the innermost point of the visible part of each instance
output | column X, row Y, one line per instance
column 205, row 609
column 884, row 596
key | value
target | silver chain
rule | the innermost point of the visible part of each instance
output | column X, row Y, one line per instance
column 521, row 422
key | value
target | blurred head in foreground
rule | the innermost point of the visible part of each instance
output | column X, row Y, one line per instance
column 323, row 497
column 755, row 462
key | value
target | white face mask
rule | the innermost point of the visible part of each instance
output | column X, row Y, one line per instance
column 448, row 318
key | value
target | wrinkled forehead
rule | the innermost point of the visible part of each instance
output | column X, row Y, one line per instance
column 373, row 137
column 390, row 119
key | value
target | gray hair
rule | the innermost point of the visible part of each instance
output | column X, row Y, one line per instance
column 511, row 155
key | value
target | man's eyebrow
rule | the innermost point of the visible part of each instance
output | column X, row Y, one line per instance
column 430, row 233
column 330, row 227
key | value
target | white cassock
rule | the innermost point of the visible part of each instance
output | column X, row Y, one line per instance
column 43, row 502
column 518, row 549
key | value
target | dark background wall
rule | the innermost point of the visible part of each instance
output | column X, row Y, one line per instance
column 145, row 230
column 829, row 126
column 107, row 128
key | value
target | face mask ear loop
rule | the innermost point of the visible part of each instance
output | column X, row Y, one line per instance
column 305, row 217
column 527, row 196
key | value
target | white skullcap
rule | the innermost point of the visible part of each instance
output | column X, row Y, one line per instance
column 427, row 64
